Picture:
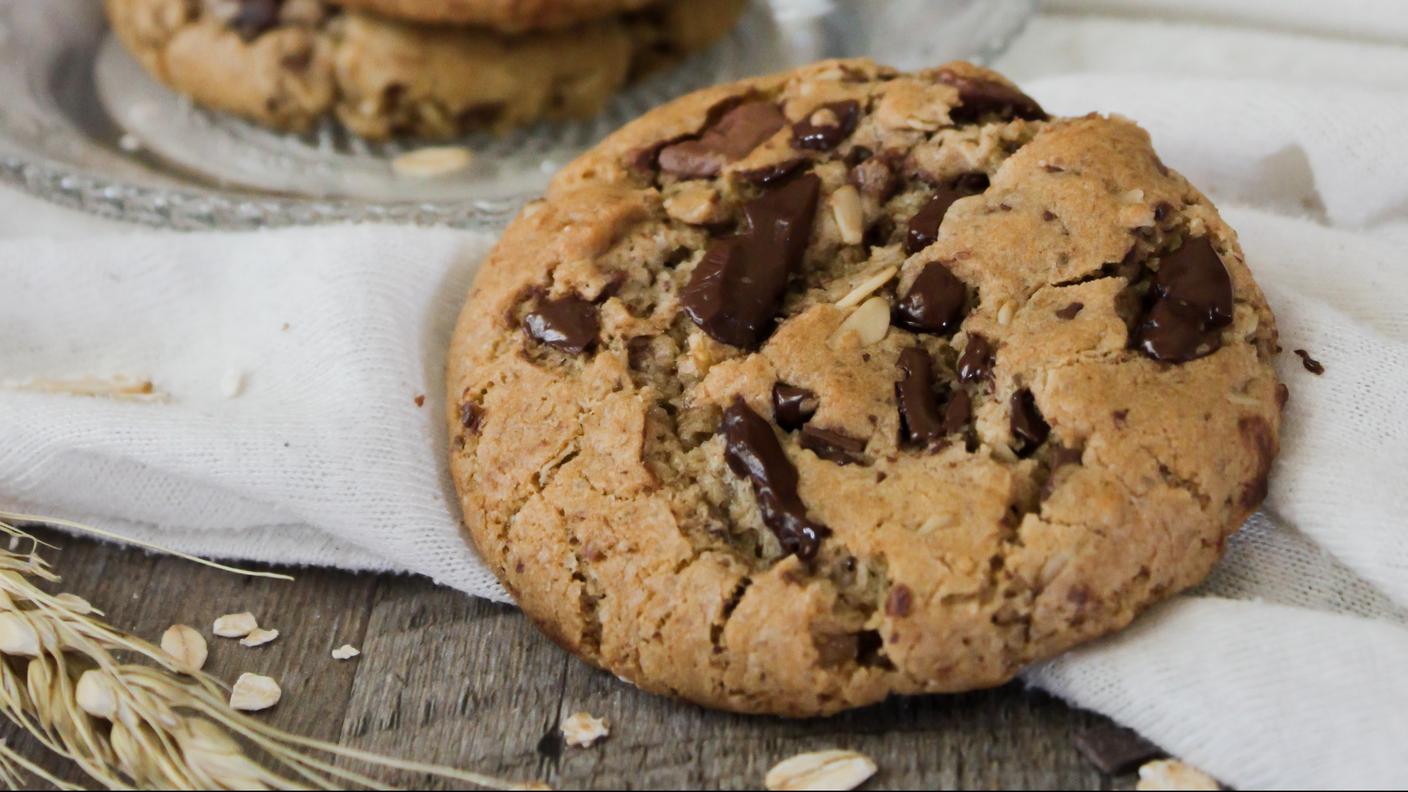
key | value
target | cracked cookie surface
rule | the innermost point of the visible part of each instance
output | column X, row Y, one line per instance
column 810, row 389
column 505, row 16
column 287, row 64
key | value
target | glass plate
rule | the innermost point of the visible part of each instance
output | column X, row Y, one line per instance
column 83, row 125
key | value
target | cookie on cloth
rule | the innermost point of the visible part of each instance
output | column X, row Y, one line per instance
column 811, row 389
column 287, row 64
column 504, row 16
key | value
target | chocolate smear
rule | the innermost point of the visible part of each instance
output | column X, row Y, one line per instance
column 1189, row 302
column 1029, row 428
column 832, row 445
column 980, row 97
column 792, row 406
column 753, row 452
column 568, row 323
column 823, row 137
column 934, row 302
column 735, row 291
column 1311, row 364
column 731, row 138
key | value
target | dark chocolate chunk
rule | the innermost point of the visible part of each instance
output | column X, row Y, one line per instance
column 736, row 289
column 958, row 411
column 832, row 445
column 254, row 18
column 1070, row 311
column 731, row 138
column 792, row 406
column 934, row 302
column 920, row 419
column 771, row 174
column 1029, row 428
column 753, row 452
column 975, row 364
column 1311, row 364
column 1115, row 749
column 569, row 323
column 980, row 97
column 1189, row 302
column 824, row 137
column 924, row 225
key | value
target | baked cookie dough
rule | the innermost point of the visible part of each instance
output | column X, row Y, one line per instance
column 811, row 389
column 505, row 16
column 289, row 63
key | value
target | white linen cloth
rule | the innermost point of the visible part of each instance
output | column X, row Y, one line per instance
column 1286, row 669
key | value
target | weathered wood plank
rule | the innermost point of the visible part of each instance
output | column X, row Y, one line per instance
column 445, row 678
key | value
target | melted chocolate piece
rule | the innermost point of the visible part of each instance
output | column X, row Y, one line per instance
column 792, row 406
column 824, row 137
column 976, row 361
column 752, row 452
column 569, row 324
column 1311, row 364
column 934, row 302
column 1070, row 311
column 1028, row 426
column 924, row 226
column 731, row 138
column 834, row 446
column 771, row 174
column 255, row 17
column 958, row 412
column 920, row 420
column 735, row 291
column 980, row 97
column 1190, row 301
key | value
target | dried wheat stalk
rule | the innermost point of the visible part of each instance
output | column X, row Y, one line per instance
column 141, row 725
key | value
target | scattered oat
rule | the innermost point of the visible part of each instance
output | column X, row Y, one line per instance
column 14, row 542
column 345, row 652
column 870, row 322
column 583, row 730
column 834, row 769
column 17, row 636
column 259, row 637
column 235, row 625
column 867, row 287
column 427, row 163
column 1173, row 774
column 186, row 646
column 1005, row 311
column 254, row 692
column 232, row 384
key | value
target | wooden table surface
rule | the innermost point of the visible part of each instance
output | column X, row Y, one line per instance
column 450, row 679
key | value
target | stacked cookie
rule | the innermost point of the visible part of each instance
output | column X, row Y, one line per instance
column 415, row 68
column 814, row 388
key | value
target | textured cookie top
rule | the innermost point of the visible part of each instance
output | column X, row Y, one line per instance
column 507, row 16
column 805, row 390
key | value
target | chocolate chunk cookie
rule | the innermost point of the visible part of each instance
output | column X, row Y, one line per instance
column 289, row 63
column 505, row 16
column 811, row 389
